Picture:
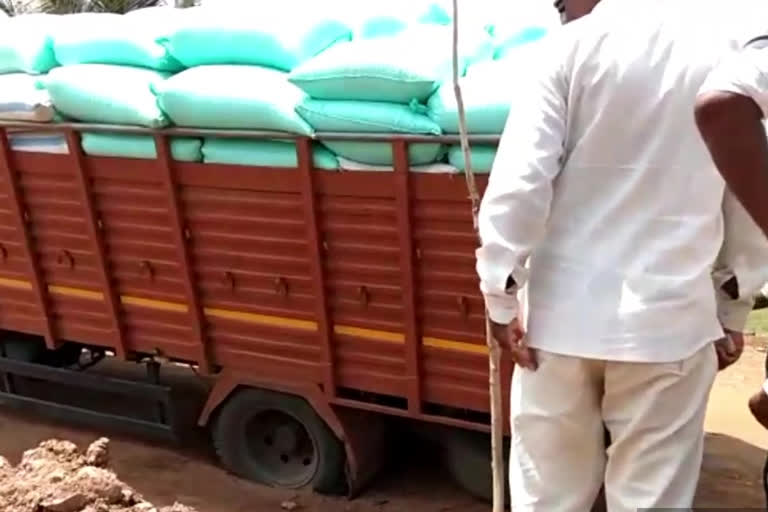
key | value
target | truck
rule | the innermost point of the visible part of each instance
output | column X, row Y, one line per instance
column 317, row 305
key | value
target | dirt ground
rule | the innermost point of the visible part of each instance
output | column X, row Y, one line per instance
column 165, row 474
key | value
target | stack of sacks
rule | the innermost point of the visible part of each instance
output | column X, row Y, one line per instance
column 22, row 100
column 378, row 86
column 26, row 51
column 110, row 65
column 184, row 149
column 238, row 60
column 25, row 44
column 488, row 90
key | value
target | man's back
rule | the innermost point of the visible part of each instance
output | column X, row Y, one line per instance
column 635, row 224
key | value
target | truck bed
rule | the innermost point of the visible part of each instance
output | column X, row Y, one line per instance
column 361, row 283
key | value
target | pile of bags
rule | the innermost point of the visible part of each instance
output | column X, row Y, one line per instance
column 298, row 67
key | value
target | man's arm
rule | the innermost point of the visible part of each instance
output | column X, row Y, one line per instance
column 517, row 201
column 740, row 271
column 729, row 115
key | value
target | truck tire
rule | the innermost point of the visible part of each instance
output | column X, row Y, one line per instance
column 468, row 459
column 278, row 440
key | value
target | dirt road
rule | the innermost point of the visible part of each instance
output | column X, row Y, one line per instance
column 164, row 474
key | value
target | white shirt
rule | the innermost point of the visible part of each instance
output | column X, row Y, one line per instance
column 603, row 187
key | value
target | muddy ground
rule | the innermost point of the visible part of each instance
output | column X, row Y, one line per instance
column 164, row 473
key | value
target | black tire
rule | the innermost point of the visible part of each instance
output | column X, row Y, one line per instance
column 468, row 459
column 242, row 438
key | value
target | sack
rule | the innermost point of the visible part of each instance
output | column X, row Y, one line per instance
column 234, row 97
column 184, row 149
column 102, row 93
column 436, row 168
column 380, row 153
column 25, row 44
column 281, row 36
column 366, row 116
column 262, row 153
column 398, row 69
column 38, row 142
column 22, row 100
column 482, row 158
column 487, row 90
column 371, row 117
column 105, row 38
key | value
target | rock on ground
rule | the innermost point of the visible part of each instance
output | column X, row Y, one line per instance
column 57, row 477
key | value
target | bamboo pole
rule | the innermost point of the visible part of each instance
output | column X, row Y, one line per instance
column 494, row 350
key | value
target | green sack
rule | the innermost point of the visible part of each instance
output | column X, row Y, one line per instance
column 372, row 117
column 262, row 153
column 102, row 93
column 487, row 91
column 366, row 116
column 233, row 97
column 380, row 153
column 281, row 36
column 482, row 158
column 184, row 149
column 25, row 44
column 104, row 38
column 398, row 69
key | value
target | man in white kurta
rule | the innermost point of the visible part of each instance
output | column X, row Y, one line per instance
column 606, row 206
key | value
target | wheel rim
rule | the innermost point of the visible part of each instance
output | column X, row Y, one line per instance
column 282, row 450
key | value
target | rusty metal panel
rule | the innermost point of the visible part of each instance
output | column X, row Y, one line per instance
column 354, row 281
column 44, row 323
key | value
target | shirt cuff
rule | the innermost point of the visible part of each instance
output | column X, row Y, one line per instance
column 765, row 387
column 502, row 310
column 733, row 314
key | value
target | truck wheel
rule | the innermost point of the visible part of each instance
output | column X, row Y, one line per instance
column 278, row 440
column 468, row 458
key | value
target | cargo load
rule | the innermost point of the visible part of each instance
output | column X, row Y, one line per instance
column 263, row 153
column 103, row 38
column 280, row 36
column 372, row 117
column 22, row 100
column 232, row 96
column 26, row 45
column 103, row 93
column 184, row 149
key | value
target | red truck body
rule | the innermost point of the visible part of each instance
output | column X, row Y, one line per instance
column 353, row 290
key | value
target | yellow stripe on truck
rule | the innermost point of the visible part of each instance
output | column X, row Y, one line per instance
column 253, row 318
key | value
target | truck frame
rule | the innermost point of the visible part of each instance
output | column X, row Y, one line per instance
column 316, row 302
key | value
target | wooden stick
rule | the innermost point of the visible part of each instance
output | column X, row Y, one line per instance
column 494, row 350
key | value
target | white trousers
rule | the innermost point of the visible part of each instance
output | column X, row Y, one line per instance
column 654, row 413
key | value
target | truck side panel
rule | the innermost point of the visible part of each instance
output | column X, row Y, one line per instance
column 396, row 250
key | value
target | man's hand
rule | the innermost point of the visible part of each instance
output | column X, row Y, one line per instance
column 729, row 349
column 758, row 404
column 512, row 338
